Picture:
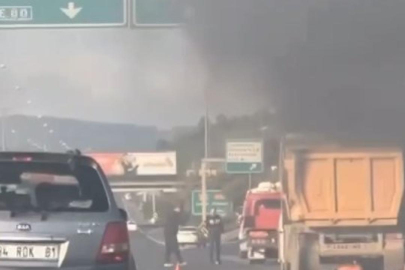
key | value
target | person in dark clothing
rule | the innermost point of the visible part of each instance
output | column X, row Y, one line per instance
column 215, row 228
column 171, row 228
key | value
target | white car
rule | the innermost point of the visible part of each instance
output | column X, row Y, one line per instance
column 132, row 227
column 190, row 235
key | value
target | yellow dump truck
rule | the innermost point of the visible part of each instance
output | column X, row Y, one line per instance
column 342, row 205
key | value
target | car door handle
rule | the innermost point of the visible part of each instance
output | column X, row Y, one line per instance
column 84, row 231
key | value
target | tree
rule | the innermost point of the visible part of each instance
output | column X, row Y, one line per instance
column 190, row 147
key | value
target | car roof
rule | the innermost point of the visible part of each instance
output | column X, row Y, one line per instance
column 46, row 157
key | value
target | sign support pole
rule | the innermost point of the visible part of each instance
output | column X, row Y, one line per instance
column 154, row 203
column 3, row 129
column 204, row 190
column 283, row 217
column 250, row 181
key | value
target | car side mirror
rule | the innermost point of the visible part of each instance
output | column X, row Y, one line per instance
column 123, row 214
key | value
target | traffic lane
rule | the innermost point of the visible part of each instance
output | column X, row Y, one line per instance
column 149, row 255
column 229, row 251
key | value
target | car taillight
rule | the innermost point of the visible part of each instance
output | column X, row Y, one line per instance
column 115, row 244
column 23, row 159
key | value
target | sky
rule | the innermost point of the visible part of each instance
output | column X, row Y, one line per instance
column 320, row 64
column 140, row 76
column 114, row 75
column 325, row 65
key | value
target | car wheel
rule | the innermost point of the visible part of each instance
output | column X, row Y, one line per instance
column 243, row 254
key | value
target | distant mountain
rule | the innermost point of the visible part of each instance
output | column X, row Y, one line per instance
column 56, row 134
column 176, row 132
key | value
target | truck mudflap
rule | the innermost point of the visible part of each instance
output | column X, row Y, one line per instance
column 351, row 248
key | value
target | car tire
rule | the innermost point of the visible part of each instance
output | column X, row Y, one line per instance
column 243, row 254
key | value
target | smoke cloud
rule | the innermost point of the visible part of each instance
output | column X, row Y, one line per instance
column 326, row 65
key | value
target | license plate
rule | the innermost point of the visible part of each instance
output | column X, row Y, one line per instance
column 344, row 246
column 29, row 252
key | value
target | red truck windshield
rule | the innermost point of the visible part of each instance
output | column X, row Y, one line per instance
column 267, row 204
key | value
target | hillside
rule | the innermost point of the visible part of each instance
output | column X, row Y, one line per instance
column 30, row 133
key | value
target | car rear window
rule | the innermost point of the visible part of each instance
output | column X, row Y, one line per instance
column 53, row 187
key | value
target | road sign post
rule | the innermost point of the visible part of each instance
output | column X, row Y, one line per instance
column 204, row 191
column 205, row 172
column 244, row 157
column 62, row 13
column 215, row 199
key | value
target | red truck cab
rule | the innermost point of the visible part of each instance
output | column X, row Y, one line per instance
column 259, row 222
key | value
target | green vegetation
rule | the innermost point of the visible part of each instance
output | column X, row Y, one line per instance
column 190, row 150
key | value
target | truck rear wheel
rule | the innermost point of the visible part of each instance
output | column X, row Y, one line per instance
column 309, row 252
column 294, row 256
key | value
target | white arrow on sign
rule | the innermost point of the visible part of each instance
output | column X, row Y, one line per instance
column 71, row 11
column 254, row 166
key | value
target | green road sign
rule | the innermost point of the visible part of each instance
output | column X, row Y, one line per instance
column 243, row 168
column 157, row 12
column 62, row 13
column 215, row 199
column 244, row 157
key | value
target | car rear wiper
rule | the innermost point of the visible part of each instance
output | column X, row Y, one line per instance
column 14, row 212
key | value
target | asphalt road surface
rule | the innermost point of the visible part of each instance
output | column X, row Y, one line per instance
column 148, row 250
column 149, row 255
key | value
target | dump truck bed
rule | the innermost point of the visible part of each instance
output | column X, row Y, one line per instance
column 338, row 186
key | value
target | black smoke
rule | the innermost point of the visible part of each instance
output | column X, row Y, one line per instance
column 326, row 65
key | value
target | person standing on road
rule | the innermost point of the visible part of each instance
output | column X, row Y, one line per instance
column 171, row 228
column 215, row 228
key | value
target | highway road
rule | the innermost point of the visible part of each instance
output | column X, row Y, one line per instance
column 148, row 249
column 149, row 255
